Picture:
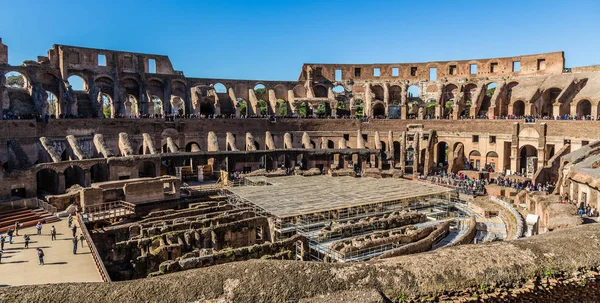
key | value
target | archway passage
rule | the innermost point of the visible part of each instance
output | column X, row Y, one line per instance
column 302, row 110
column 442, row 154
column 47, row 182
column 491, row 161
column 52, row 102
column 519, row 108
column 99, row 173
column 475, row 160
column 15, row 80
column 528, row 161
column 77, row 83
column 282, row 108
column 264, row 108
column 74, row 175
column 206, row 109
column 487, row 99
column 158, row 106
column 413, row 93
column 147, row 169
column 379, row 110
column 584, row 108
column 106, row 105
column 359, row 108
column 320, row 91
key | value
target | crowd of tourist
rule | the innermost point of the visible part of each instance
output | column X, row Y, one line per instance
column 172, row 117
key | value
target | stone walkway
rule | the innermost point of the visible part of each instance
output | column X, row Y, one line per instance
column 20, row 266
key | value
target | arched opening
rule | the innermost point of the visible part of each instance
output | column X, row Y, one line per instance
column 379, row 110
column 547, row 103
column 413, row 93
column 528, row 161
column 491, row 161
column 264, row 109
column 377, row 90
column 282, row 108
column 242, row 106
column 320, row 91
column 302, row 110
column 177, row 106
column 74, row 175
column 410, row 156
column 47, row 182
column 397, row 150
column 341, row 107
column 284, row 161
column 147, row 169
column 323, row 110
column 584, row 108
column 475, row 160
column 52, row 103
column 299, row 91
column 490, row 89
column 192, row 147
column 220, row 88
column 359, row 108
column 106, row 108
column 15, row 80
column 77, row 83
column 157, row 106
column 330, row 144
column 519, row 108
column 442, row 154
column 260, row 89
column 338, row 89
column 99, row 173
column 131, row 106
column 207, row 108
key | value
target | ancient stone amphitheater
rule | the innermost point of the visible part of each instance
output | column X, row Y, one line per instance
column 436, row 181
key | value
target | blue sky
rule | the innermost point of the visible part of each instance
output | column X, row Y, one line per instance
column 271, row 39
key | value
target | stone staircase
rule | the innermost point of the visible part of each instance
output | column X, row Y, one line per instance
column 25, row 216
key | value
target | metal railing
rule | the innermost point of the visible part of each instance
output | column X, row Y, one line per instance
column 97, row 259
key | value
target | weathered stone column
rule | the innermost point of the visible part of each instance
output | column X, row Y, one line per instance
column 88, row 177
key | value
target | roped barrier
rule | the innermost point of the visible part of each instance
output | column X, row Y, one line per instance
column 99, row 264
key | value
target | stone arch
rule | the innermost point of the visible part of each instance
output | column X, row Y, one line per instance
column 78, row 83
column 49, row 82
column 449, row 98
column 192, row 147
column 519, row 108
column 156, row 88
column 442, row 151
column 486, row 102
column 156, row 106
column 584, row 108
column 15, row 79
column 320, row 91
column 47, row 181
column 74, row 175
column 99, row 173
column 106, row 105
column 528, row 160
column 282, row 107
column 147, row 169
column 220, row 88
column 378, row 91
column 378, row 109
column 131, row 106
column 491, row 160
column 475, row 160
column 358, row 108
column 281, row 92
column 413, row 93
column 545, row 104
column 299, row 91
column 395, row 92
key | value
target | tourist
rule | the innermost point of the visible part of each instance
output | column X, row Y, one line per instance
column 16, row 229
column 38, row 227
column 2, row 240
column 27, row 239
column 10, row 235
column 74, row 229
column 81, row 238
column 70, row 220
column 74, row 245
column 40, row 253
column 53, row 232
